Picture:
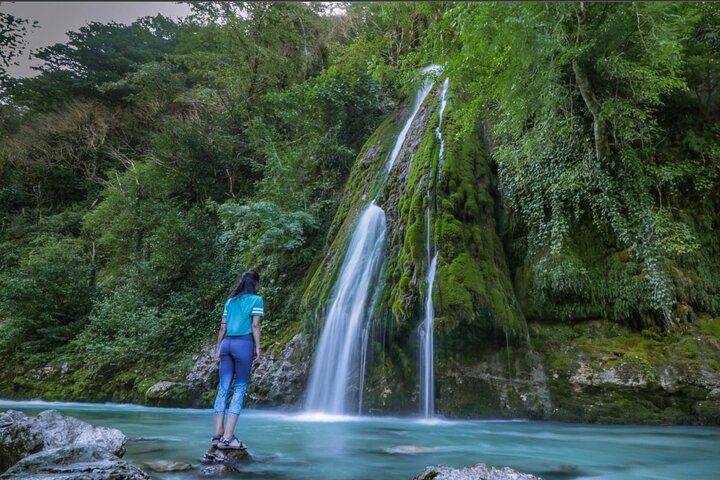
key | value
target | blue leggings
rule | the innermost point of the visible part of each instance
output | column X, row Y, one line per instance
column 236, row 356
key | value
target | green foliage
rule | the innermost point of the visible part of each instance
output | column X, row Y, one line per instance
column 46, row 297
column 580, row 137
column 97, row 53
column 273, row 241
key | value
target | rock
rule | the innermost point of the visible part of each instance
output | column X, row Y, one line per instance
column 18, row 438
column 219, row 470
column 166, row 393
column 58, row 430
column 166, row 466
column 279, row 379
column 227, row 456
column 626, row 375
column 496, row 385
column 479, row 471
column 203, row 376
column 77, row 462
column 21, row 435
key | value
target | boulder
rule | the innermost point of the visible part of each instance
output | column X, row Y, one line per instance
column 58, row 430
column 21, row 435
column 77, row 462
column 203, row 376
column 278, row 379
column 479, row 471
column 18, row 438
column 226, row 457
column 167, row 393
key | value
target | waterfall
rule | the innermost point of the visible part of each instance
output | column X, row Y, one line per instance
column 438, row 133
column 339, row 345
column 427, row 341
column 427, row 360
column 417, row 103
column 339, row 362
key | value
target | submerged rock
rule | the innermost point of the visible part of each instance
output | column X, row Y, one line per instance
column 79, row 462
column 409, row 450
column 219, row 470
column 21, row 435
column 167, row 466
column 479, row 471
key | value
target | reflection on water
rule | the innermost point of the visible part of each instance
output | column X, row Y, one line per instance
column 306, row 447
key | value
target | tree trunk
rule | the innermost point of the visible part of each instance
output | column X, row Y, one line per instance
column 599, row 129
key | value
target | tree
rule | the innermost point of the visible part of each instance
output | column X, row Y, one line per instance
column 95, row 54
column 12, row 41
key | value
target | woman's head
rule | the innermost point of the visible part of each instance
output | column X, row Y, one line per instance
column 249, row 283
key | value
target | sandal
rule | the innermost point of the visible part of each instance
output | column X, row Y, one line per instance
column 215, row 440
column 233, row 444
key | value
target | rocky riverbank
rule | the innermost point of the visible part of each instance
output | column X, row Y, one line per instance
column 52, row 445
column 595, row 371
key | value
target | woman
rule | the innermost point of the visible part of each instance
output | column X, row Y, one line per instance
column 238, row 346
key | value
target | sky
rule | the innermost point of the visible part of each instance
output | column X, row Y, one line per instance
column 55, row 19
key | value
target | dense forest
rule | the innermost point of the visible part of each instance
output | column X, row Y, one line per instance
column 148, row 165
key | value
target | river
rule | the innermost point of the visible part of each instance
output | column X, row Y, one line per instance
column 297, row 446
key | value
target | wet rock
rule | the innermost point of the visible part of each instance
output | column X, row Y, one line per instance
column 18, row 438
column 219, row 470
column 166, row 393
column 203, row 376
column 58, row 430
column 479, row 471
column 496, row 385
column 167, row 466
column 279, row 379
column 227, row 456
column 626, row 374
column 79, row 462
column 21, row 435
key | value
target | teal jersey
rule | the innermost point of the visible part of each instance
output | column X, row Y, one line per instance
column 239, row 312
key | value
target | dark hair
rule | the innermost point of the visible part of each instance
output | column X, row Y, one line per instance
column 249, row 283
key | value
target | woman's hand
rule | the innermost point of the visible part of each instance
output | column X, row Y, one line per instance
column 256, row 355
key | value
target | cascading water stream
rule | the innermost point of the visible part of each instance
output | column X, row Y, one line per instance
column 438, row 133
column 339, row 351
column 427, row 341
column 417, row 103
column 339, row 343
column 427, row 360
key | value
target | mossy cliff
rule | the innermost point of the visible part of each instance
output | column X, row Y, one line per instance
column 587, row 351
column 475, row 302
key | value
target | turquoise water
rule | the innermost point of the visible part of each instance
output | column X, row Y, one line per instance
column 293, row 446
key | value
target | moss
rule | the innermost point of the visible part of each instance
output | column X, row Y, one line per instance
column 361, row 187
column 710, row 326
column 708, row 412
column 677, row 357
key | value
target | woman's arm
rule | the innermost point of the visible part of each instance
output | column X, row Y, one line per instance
column 256, row 336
